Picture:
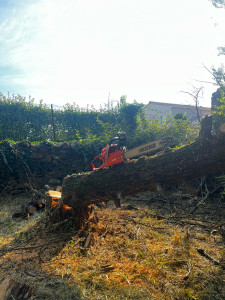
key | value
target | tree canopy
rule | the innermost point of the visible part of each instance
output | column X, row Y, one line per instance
column 218, row 3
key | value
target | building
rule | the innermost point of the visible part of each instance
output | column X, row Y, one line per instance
column 160, row 110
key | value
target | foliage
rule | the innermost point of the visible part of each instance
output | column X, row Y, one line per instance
column 23, row 120
column 218, row 105
column 128, row 115
column 219, row 109
column 181, row 116
column 181, row 130
column 221, row 51
column 218, row 98
column 218, row 3
column 219, row 76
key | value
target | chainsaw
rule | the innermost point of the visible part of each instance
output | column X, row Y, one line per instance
column 115, row 152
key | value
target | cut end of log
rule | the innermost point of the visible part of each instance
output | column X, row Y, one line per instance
column 54, row 194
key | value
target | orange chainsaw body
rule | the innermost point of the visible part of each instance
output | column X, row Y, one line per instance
column 109, row 156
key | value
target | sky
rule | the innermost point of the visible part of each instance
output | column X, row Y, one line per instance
column 91, row 52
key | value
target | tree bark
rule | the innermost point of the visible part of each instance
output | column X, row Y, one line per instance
column 175, row 166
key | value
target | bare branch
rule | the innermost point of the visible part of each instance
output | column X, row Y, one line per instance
column 188, row 93
column 195, row 96
column 206, row 255
column 202, row 81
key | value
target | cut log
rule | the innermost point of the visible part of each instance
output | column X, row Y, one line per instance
column 12, row 289
column 205, row 156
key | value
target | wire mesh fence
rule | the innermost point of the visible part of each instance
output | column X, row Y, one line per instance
column 26, row 120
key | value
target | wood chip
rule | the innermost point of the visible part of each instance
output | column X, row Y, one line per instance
column 88, row 241
column 107, row 268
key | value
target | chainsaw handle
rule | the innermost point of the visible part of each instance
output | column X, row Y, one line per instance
column 92, row 163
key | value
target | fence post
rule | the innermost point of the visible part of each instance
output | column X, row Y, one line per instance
column 53, row 122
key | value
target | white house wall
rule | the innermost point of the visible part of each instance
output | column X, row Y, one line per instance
column 160, row 110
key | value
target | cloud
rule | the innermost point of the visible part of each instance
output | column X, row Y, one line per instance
column 82, row 49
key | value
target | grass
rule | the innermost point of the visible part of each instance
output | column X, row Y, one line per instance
column 132, row 255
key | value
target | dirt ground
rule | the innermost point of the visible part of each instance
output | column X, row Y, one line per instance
column 182, row 232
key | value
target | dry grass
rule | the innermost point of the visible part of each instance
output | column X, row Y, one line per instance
column 132, row 255
column 11, row 229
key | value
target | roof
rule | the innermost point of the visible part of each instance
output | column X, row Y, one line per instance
column 177, row 105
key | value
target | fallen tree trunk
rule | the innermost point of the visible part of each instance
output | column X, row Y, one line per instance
column 176, row 166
